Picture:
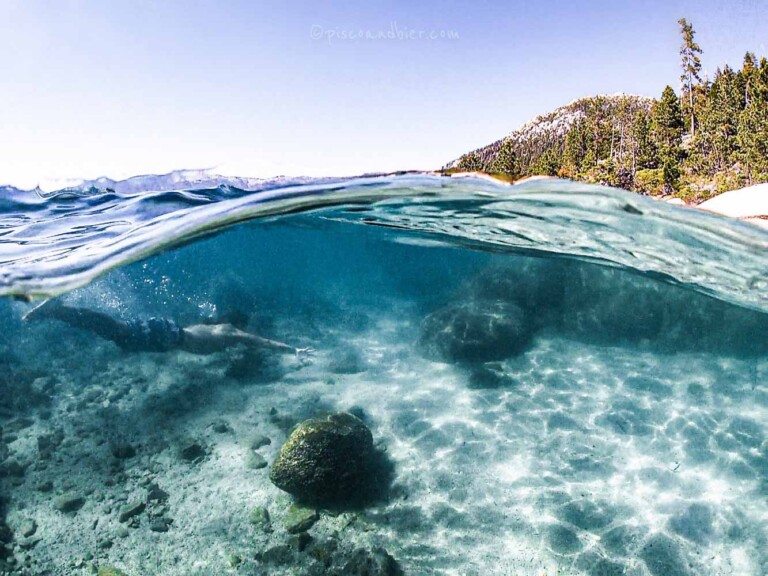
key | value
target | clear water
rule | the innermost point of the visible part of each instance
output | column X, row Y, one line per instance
column 626, row 436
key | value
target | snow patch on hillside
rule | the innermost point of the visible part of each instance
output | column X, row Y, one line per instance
column 556, row 123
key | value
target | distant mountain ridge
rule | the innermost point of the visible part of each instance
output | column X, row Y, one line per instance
column 187, row 179
column 180, row 180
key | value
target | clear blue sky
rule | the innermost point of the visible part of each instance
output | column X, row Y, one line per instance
column 118, row 88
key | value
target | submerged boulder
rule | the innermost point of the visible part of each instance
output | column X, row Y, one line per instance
column 614, row 306
column 475, row 332
column 534, row 284
column 328, row 460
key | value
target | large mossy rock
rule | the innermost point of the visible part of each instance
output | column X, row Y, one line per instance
column 475, row 331
column 326, row 460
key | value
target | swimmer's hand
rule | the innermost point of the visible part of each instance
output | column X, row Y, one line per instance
column 304, row 354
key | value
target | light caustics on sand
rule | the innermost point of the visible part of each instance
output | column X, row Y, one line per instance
column 53, row 243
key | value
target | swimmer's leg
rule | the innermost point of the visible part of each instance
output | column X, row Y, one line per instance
column 98, row 323
column 39, row 311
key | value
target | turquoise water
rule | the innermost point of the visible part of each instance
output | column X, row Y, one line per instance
column 564, row 379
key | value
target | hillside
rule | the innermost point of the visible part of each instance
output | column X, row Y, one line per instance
column 535, row 147
column 711, row 139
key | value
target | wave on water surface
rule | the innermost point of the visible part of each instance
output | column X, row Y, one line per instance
column 53, row 243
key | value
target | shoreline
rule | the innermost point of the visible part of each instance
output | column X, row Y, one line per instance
column 749, row 204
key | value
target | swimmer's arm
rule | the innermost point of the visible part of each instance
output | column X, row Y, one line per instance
column 254, row 341
column 206, row 339
column 301, row 353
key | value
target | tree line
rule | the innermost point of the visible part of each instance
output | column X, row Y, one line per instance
column 710, row 138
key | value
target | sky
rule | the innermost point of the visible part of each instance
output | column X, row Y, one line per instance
column 262, row 88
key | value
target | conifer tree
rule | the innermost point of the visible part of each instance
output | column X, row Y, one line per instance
column 753, row 126
column 574, row 150
column 715, row 143
column 643, row 150
column 470, row 162
column 548, row 163
column 505, row 161
column 691, row 65
column 748, row 73
column 667, row 129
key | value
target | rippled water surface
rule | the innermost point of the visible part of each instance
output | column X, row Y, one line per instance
column 563, row 379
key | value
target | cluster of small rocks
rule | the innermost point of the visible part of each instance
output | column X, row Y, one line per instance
column 328, row 555
column 130, row 499
column 325, row 461
column 66, row 496
column 12, row 468
column 14, row 545
column 7, row 559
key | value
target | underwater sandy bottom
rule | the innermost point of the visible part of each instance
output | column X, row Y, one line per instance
column 584, row 460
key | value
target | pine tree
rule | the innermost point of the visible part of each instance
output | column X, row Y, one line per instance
column 691, row 65
column 644, row 153
column 574, row 150
column 505, row 161
column 748, row 72
column 634, row 149
column 753, row 126
column 715, row 143
column 471, row 162
column 548, row 163
column 667, row 130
